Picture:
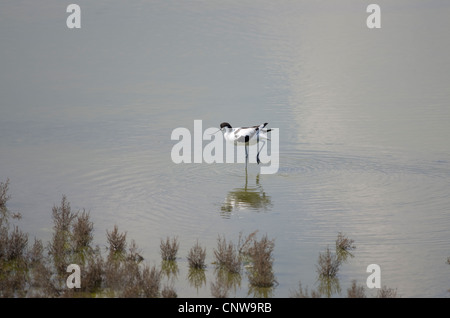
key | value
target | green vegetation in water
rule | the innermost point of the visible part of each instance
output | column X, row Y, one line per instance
column 41, row 271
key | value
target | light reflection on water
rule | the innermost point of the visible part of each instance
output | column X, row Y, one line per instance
column 363, row 118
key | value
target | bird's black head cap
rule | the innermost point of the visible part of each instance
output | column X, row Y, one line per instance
column 222, row 125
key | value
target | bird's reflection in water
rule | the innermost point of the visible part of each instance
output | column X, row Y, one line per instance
column 249, row 197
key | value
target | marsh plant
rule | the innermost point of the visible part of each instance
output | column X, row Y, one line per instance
column 40, row 271
column 169, row 249
column 261, row 269
column 344, row 246
column 62, row 247
column 196, row 257
column 169, row 291
column 169, row 266
column 256, row 254
column 228, row 267
column 4, row 196
column 125, row 274
column 28, row 268
column 327, row 268
column 356, row 291
column 227, row 256
column 14, row 261
column 328, row 264
column 117, row 244
column 386, row 292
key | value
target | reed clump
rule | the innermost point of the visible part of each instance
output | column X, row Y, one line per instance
column 261, row 272
column 41, row 271
column 356, row 291
column 4, row 196
column 386, row 292
column 227, row 256
column 28, row 268
column 169, row 291
column 327, row 267
column 14, row 262
column 196, row 257
column 344, row 246
column 169, row 249
column 125, row 275
column 328, row 264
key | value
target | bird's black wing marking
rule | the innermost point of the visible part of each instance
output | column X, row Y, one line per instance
column 244, row 138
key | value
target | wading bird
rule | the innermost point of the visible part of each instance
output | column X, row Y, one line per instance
column 245, row 136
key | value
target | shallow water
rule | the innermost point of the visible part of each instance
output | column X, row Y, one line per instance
column 363, row 118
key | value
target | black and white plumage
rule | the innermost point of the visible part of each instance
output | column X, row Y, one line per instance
column 245, row 136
